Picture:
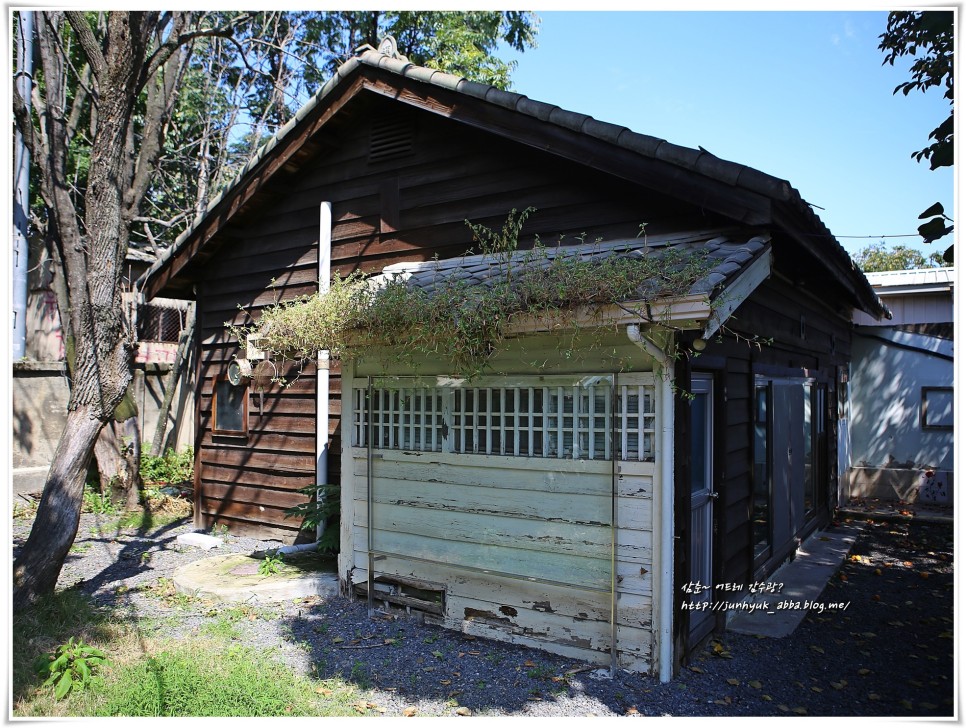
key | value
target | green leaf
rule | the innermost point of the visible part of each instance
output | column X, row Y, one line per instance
column 63, row 686
column 83, row 670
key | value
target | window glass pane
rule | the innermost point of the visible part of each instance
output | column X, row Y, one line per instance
column 808, row 451
column 230, row 407
column 699, row 444
column 761, row 516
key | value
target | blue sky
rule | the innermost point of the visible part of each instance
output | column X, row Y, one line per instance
column 803, row 96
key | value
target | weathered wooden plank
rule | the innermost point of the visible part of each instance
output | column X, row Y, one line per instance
column 268, row 441
column 632, row 609
column 484, row 502
column 555, row 567
column 254, row 495
column 287, row 461
column 568, row 471
column 232, row 508
column 256, row 477
column 524, row 534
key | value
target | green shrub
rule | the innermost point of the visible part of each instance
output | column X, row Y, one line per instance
column 97, row 502
column 71, row 665
column 315, row 512
column 171, row 467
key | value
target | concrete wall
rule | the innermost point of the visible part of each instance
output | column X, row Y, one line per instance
column 40, row 394
column 890, row 448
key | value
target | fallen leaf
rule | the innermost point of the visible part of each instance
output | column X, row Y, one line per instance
column 906, row 704
column 473, row 652
column 409, row 712
column 437, row 654
column 816, row 689
column 733, row 681
column 695, row 668
column 864, row 671
column 337, row 640
column 924, row 574
column 766, row 697
column 631, row 711
column 873, row 696
column 755, row 684
column 800, row 711
column 323, row 691
column 445, row 682
column 529, row 663
column 817, row 649
column 460, row 654
column 464, row 711
column 783, row 708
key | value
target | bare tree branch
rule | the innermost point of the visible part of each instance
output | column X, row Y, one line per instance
column 85, row 37
column 24, row 125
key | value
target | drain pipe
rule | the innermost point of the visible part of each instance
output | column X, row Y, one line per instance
column 664, row 600
column 322, row 382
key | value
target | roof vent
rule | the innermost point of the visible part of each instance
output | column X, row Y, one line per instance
column 390, row 138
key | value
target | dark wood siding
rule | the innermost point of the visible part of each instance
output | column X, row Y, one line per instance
column 782, row 312
column 407, row 208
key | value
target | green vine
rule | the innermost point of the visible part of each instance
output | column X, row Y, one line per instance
column 463, row 323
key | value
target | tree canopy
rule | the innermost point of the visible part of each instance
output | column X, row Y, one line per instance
column 877, row 258
column 137, row 119
column 927, row 37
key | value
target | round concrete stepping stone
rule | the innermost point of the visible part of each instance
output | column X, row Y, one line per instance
column 235, row 578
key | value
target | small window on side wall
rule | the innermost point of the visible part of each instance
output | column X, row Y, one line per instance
column 937, row 408
column 230, row 407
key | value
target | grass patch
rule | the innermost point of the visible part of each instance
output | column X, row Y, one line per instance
column 206, row 675
column 146, row 520
column 211, row 680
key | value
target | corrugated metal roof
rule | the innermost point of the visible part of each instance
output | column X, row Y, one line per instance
column 728, row 256
column 918, row 277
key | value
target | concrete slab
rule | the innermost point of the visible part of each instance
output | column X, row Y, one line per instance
column 201, row 540
column 778, row 613
column 235, row 578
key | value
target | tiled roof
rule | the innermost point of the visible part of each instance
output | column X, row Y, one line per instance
column 699, row 160
column 729, row 255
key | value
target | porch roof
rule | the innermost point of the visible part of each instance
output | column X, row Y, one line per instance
column 738, row 263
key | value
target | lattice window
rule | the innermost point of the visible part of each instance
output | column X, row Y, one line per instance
column 570, row 422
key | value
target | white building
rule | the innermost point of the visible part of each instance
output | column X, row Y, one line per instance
column 901, row 391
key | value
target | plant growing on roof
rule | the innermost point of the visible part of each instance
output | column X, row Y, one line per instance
column 463, row 323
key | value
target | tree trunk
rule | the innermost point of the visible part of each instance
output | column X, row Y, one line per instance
column 36, row 570
column 118, row 454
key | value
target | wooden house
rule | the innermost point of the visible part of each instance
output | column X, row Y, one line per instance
column 558, row 502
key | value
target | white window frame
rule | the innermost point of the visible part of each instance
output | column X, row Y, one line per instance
column 521, row 416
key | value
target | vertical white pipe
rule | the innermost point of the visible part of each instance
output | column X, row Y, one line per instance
column 21, row 201
column 664, row 580
column 322, row 387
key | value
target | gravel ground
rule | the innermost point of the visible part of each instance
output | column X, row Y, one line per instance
column 889, row 653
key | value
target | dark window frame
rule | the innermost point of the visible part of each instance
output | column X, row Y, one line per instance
column 220, row 380
column 924, row 409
